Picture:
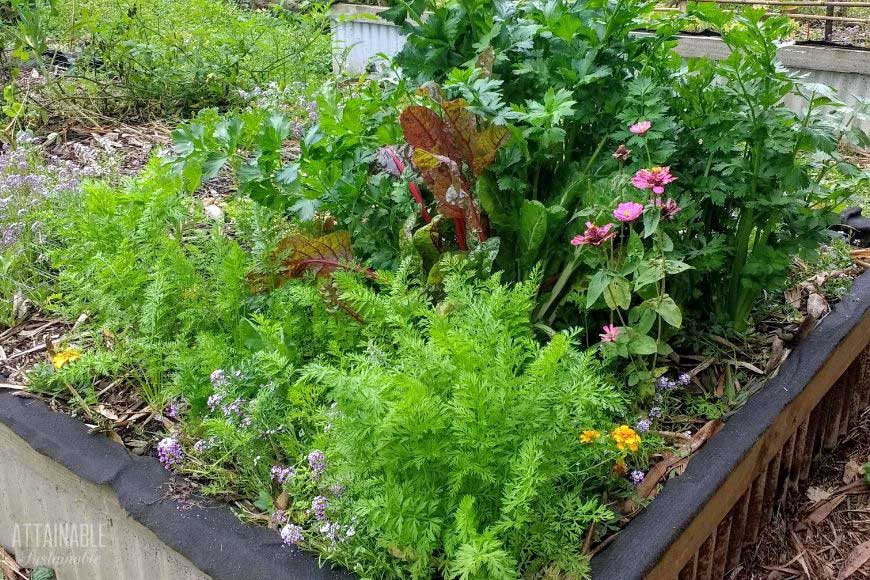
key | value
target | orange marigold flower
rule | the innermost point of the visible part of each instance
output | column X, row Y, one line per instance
column 626, row 438
column 589, row 436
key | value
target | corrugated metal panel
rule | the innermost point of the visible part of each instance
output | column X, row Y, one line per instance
column 357, row 41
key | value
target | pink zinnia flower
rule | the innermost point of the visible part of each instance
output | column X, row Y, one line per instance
column 655, row 179
column 622, row 153
column 594, row 235
column 669, row 208
column 641, row 127
column 610, row 333
column 628, row 211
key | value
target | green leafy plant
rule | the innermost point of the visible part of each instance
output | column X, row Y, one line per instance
column 129, row 57
column 457, row 435
column 750, row 173
column 344, row 175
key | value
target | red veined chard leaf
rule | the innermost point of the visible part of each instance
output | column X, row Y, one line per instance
column 444, row 180
column 424, row 129
column 300, row 254
column 486, row 145
column 461, row 127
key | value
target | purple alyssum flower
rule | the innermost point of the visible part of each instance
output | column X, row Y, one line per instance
column 317, row 462
column 279, row 517
column 655, row 413
column 218, row 378
column 637, row 476
column 331, row 531
column 643, row 426
column 318, row 506
column 282, row 474
column 173, row 411
column 169, row 452
column 215, row 401
column 292, row 535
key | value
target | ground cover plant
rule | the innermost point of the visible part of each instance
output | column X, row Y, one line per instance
column 99, row 59
column 440, row 329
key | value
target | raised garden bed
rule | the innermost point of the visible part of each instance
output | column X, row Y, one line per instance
column 52, row 472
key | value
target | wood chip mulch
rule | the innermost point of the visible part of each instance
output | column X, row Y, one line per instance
column 120, row 412
column 822, row 533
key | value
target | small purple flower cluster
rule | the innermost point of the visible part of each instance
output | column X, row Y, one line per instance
column 218, row 379
column 637, row 476
column 282, row 474
column 643, row 425
column 292, row 535
column 666, row 384
column 175, row 408
column 169, row 452
column 317, row 462
column 311, row 108
column 318, row 506
column 214, row 402
column 26, row 179
column 234, row 409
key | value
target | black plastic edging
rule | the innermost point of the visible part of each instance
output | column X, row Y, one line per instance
column 645, row 540
column 208, row 534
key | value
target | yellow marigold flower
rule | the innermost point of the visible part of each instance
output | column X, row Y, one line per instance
column 626, row 437
column 65, row 357
column 589, row 436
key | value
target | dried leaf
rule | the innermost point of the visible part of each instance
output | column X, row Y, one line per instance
column 824, row 509
column 793, row 296
column 424, row 129
column 748, row 366
column 816, row 494
column 817, row 306
column 859, row 556
column 106, row 412
column 486, row 145
column 777, row 355
column 852, row 471
column 109, row 339
column 648, row 486
column 282, row 501
column 486, row 60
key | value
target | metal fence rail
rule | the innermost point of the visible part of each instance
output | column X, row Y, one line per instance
column 787, row 7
